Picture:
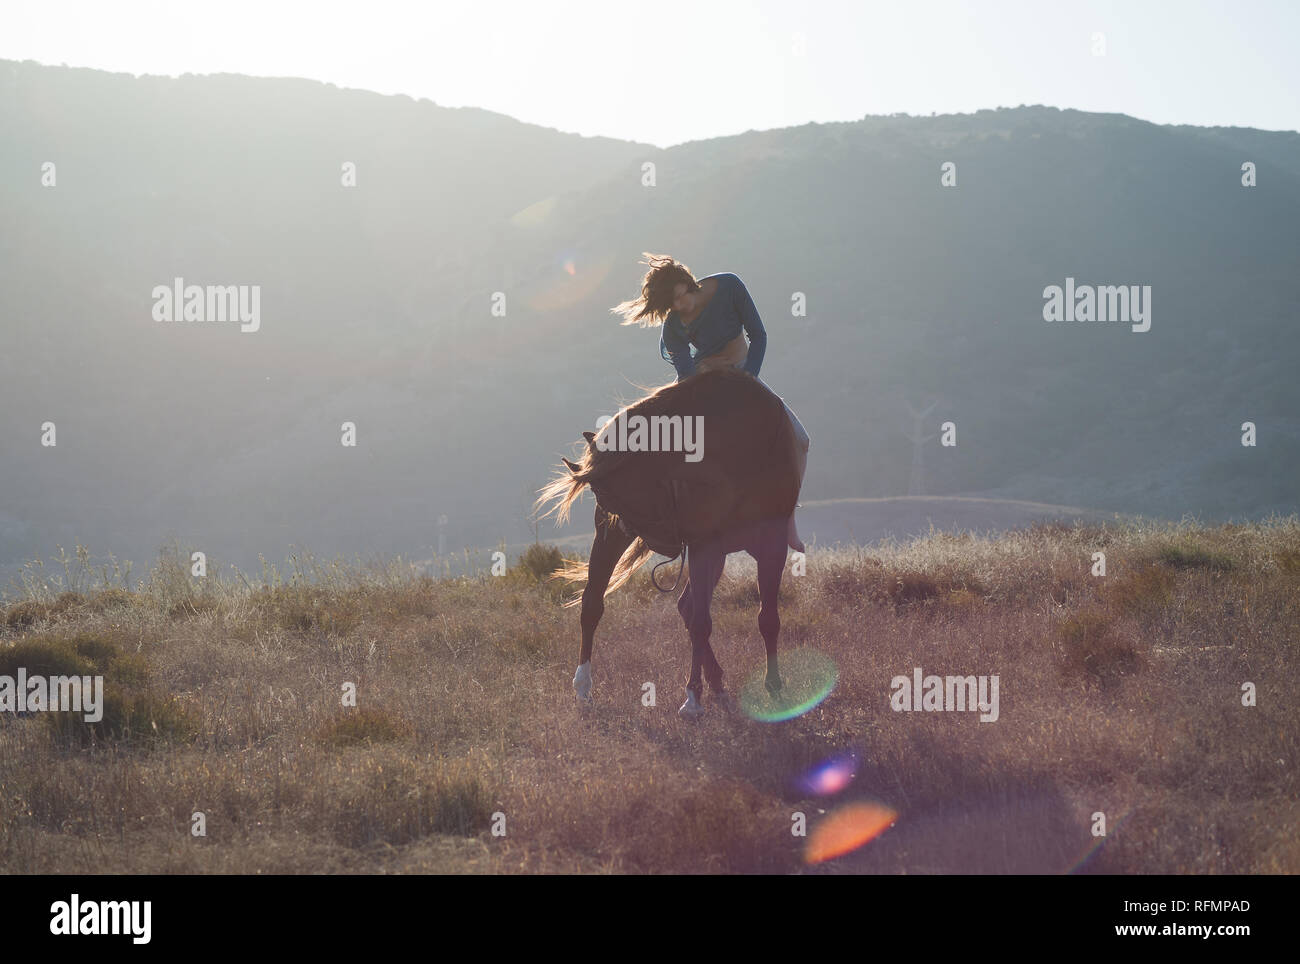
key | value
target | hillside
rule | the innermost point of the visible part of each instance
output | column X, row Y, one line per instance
column 1120, row 694
column 376, row 309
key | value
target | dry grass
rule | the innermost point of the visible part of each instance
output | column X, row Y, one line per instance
column 1119, row 694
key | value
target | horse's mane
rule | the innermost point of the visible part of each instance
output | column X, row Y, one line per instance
column 670, row 399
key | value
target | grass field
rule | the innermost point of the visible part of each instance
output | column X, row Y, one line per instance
column 1119, row 694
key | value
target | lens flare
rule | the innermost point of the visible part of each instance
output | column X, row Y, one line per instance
column 830, row 776
column 808, row 677
column 1098, row 844
column 847, row 829
column 574, row 279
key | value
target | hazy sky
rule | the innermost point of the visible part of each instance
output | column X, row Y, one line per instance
column 667, row 72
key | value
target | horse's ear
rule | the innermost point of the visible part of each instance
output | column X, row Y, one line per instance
column 570, row 466
column 589, row 436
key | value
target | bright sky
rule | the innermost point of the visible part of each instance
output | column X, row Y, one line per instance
column 670, row 71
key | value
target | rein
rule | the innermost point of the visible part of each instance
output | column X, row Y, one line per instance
column 655, row 569
column 676, row 539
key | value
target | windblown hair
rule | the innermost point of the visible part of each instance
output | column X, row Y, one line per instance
column 656, row 300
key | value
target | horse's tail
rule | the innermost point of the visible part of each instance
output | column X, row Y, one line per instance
column 575, row 570
column 631, row 560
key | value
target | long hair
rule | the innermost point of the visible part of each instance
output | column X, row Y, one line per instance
column 656, row 299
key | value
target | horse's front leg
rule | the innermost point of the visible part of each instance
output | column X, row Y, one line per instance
column 607, row 548
column 709, row 663
column 712, row 671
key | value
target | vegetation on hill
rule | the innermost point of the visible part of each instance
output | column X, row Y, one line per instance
column 1120, row 694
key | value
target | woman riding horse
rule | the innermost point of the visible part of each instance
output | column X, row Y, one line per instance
column 710, row 314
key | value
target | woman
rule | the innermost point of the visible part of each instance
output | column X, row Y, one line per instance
column 710, row 314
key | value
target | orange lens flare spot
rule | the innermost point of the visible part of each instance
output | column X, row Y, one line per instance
column 847, row 829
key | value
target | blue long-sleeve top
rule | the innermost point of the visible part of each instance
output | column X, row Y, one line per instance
column 728, row 312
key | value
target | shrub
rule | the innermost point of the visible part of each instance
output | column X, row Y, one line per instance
column 1288, row 560
column 458, row 804
column 398, row 802
column 47, row 656
column 24, row 614
column 107, row 599
column 1144, row 593
column 839, row 581
column 962, row 600
column 305, row 608
column 65, row 601
column 359, row 725
column 912, row 587
column 132, row 713
column 540, row 560
column 134, row 718
column 192, row 606
column 1094, row 650
column 907, row 589
column 1190, row 555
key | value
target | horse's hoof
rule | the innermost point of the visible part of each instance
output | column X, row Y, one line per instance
column 774, row 687
column 582, row 683
column 692, row 709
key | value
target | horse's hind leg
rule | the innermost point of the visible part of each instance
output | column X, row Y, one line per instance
column 712, row 671
column 706, row 569
column 684, row 603
column 771, row 566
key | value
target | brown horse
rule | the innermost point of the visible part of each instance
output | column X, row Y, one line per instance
column 736, row 492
